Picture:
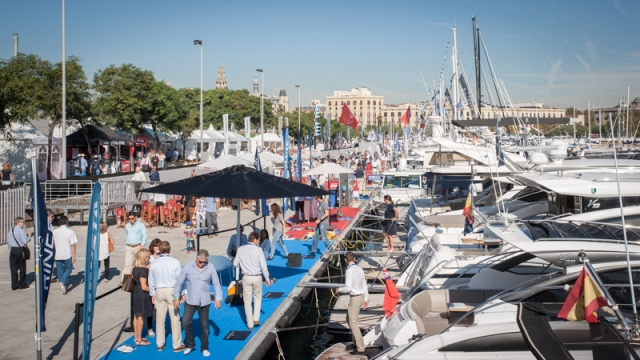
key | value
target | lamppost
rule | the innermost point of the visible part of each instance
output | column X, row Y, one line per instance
column 298, row 86
column 199, row 42
column 261, row 111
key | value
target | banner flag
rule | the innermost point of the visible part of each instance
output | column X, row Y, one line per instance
column 285, row 171
column 328, row 124
column 348, row 118
column 91, row 269
column 47, row 250
column 448, row 96
column 407, row 115
column 467, row 95
column 247, row 127
column 299, row 169
column 263, row 202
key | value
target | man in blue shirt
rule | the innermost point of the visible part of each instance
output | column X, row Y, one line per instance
column 235, row 243
column 163, row 276
column 211, row 215
column 82, row 163
column 197, row 276
column 175, row 155
column 136, row 238
column 168, row 155
column 16, row 239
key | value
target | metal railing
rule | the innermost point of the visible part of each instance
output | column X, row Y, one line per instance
column 12, row 205
column 67, row 193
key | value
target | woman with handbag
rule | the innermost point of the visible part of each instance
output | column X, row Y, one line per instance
column 142, row 305
column 106, row 248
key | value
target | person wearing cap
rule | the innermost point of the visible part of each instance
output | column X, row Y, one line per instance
column 82, row 164
column 96, row 166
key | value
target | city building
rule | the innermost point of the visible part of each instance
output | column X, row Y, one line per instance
column 392, row 113
column 362, row 104
column 280, row 103
column 221, row 79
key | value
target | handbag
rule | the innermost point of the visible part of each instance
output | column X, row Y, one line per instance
column 128, row 283
column 26, row 253
column 111, row 248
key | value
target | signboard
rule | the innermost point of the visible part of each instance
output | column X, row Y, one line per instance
column 375, row 177
column 142, row 140
column 225, row 125
column 247, row 127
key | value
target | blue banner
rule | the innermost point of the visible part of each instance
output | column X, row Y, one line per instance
column 47, row 250
column 285, row 171
column 263, row 202
column 299, row 174
column 310, row 152
column 91, row 269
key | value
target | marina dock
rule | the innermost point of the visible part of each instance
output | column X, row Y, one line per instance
column 229, row 337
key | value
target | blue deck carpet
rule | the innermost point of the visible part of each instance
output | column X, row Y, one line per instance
column 230, row 317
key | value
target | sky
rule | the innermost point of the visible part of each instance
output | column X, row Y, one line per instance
column 561, row 53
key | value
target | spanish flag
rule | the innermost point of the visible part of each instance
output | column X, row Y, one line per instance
column 584, row 299
column 468, row 211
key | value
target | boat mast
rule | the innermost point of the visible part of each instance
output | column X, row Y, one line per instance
column 476, row 50
column 454, row 62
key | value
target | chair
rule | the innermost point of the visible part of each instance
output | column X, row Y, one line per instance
column 144, row 213
column 166, row 217
column 120, row 218
column 152, row 218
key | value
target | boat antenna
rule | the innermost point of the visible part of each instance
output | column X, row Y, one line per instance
column 635, row 330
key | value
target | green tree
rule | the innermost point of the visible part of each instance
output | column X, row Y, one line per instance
column 169, row 110
column 237, row 103
column 20, row 82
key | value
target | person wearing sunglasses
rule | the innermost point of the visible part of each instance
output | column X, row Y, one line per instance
column 197, row 276
column 136, row 238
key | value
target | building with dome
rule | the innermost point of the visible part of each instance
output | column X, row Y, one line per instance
column 280, row 102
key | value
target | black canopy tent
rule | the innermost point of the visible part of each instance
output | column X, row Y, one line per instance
column 98, row 136
column 237, row 182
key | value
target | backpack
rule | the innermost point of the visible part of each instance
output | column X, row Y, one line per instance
column 95, row 167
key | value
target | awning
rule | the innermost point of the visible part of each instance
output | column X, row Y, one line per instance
column 96, row 135
column 510, row 121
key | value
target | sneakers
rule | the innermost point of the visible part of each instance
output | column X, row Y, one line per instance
column 206, row 353
column 180, row 348
column 63, row 289
column 151, row 333
column 188, row 351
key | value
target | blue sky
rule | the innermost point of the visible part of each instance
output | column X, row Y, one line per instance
column 562, row 53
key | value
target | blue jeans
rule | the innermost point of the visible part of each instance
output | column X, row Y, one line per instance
column 63, row 269
column 277, row 239
column 191, row 245
column 321, row 231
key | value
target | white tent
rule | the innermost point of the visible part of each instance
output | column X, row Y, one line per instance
column 267, row 165
column 271, row 140
column 329, row 168
column 223, row 162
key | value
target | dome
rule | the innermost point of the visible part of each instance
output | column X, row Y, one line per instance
column 283, row 93
column 636, row 100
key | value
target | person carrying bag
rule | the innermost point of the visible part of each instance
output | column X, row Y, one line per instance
column 19, row 253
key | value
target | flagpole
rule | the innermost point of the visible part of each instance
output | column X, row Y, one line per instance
column 34, row 179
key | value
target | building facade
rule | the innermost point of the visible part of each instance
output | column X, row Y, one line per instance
column 221, row 79
column 362, row 104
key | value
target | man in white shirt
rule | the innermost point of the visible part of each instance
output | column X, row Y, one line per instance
column 235, row 243
column 64, row 240
column 250, row 259
column 163, row 276
column 355, row 285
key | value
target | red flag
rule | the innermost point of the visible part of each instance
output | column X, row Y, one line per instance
column 584, row 299
column 391, row 294
column 407, row 115
column 348, row 118
column 468, row 211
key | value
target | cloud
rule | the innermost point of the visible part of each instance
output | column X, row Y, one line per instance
column 618, row 6
column 593, row 52
column 587, row 68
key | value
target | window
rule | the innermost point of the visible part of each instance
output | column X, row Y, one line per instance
column 55, row 158
column 385, row 114
column 42, row 159
column 368, row 102
column 348, row 102
column 360, row 102
column 329, row 103
column 374, row 102
column 399, row 114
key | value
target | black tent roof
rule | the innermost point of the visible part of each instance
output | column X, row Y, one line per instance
column 96, row 134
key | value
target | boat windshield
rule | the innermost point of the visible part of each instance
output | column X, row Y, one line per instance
column 401, row 182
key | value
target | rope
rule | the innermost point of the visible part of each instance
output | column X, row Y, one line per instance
column 280, row 353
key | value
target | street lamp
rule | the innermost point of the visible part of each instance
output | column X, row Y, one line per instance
column 298, row 86
column 261, row 111
column 199, row 42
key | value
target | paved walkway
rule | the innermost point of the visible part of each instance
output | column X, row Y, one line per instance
column 112, row 312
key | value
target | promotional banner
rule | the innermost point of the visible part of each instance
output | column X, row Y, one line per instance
column 247, row 127
column 299, row 173
column 91, row 269
column 285, row 171
column 142, row 140
column 280, row 124
column 467, row 95
column 263, row 202
column 44, row 237
column 225, row 126
column 310, row 148
column 328, row 124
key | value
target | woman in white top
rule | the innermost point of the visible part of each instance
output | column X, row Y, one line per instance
column 103, row 252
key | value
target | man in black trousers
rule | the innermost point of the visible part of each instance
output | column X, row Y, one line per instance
column 16, row 239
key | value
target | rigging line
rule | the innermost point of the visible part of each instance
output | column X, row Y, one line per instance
column 493, row 75
column 624, row 233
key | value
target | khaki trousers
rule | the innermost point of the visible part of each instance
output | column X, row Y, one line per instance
column 164, row 304
column 129, row 254
column 252, row 285
column 353, row 312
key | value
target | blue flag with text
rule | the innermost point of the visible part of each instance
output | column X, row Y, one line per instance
column 91, row 269
column 263, row 202
column 47, row 250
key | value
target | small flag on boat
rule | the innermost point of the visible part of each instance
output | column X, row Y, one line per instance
column 407, row 115
column 584, row 299
column 468, row 215
column 391, row 294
